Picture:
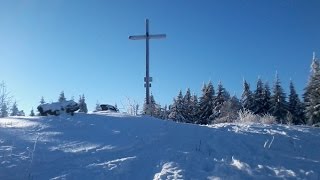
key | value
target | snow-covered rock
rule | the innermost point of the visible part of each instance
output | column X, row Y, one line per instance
column 56, row 108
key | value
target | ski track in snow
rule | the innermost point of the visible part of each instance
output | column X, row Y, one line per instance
column 110, row 165
column 61, row 177
column 74, row 147
column 120, row 146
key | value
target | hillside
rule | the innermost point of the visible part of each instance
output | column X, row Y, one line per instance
column 118, row 146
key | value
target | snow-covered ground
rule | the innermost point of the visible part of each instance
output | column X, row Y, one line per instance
column 117, row 146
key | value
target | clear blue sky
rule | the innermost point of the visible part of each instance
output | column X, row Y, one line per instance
column 82, row 47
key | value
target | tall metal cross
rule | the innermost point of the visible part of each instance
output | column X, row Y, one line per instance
column 147, row 79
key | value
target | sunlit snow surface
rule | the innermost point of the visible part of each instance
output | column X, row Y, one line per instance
column 119, row 146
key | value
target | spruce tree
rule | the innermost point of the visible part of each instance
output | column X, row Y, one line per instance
column 152, row 106
column 173, row 110
column 85, row 108
column 266, row 99
column 158, row 111
column 14, row 109
column 164, row 112
column 82, row 104
column 155, row 107
column 194, row 108
column 42, row 101
column 80, row 101
column 180, row 107
column 187, row 107
column 278, row 102
column 295, row 106
column 206, row 104
column 144, row 107
column 32, row 112
column 312, row 94
column 4, row 110
column 62, row 97
column 221, row 96
column 176, row 109
column 136, row 108
column 247, row 97
column 258, row 98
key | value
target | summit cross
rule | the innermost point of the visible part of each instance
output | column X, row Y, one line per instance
column 147, row 79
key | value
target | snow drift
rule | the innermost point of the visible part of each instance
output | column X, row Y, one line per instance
column 117, row 146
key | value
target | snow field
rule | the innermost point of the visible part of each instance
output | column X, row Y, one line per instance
column 119, row 146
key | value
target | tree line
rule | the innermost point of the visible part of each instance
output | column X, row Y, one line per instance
column 217, row 105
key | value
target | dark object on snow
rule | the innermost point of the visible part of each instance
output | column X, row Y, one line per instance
column 57, row 107
column 316, row 125
column 107, row 107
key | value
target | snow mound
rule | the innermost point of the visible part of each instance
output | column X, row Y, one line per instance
column 169, row 171
column 120, row 146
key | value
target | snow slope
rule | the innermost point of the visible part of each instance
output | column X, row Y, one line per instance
column 117, row 146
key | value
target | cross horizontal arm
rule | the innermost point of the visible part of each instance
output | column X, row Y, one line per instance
column 152, row 36
column 157, row 36
column 139, row 37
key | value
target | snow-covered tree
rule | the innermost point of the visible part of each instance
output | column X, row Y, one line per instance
column 194, row 108
column 158, row 111
column 229, row 110
column 187, row 107
column 295, row 107
column 82, row 104
column 62, row 97
column 164, row 112
column 14, row 109
column 221, row 96
column 5, row 100
column 176, row 109
column 278, row 102
column 266, row 99
column 153, row 107
column 247, row 97
column 258, row 98
column 206, row 104
column 42, row 101
column 4, row 110
column 312, row 94
column 97, row 108
column 32, row 112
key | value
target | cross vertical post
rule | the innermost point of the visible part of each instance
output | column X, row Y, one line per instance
column 147, row 78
